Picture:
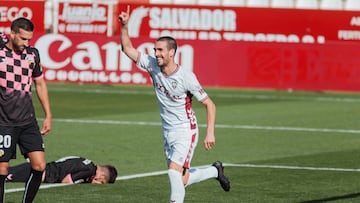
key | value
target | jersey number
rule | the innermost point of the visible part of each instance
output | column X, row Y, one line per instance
column 5, row 141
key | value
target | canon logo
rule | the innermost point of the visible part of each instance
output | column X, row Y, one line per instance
column 91, row 61
column 11, row 13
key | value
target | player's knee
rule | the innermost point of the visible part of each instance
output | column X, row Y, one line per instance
column 38, row 166
column 4, row 168
column 185, row 177
column 185, row 181
column 175, row 166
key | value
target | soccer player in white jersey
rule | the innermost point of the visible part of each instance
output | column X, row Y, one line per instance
column 174, row 87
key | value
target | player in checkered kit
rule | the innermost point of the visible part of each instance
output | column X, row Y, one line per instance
column 19, row 67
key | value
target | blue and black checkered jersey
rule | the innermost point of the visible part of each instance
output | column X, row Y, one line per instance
column 17, row 71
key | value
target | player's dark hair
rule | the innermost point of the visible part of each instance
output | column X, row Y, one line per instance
column 171, row 42
column 22, row 23
column 112, row 173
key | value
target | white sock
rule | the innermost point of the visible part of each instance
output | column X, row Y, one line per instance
column 177, row 193
column 200, row 174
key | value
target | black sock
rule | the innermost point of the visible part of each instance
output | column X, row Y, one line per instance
column 32, row 186
column 19, row 173
column 2, row 188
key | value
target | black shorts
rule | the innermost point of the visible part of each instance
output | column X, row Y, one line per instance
column 28, row 137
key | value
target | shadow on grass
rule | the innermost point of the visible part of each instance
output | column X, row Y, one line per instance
column 335, row 198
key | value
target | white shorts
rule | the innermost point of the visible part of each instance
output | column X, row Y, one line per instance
column 179, row 145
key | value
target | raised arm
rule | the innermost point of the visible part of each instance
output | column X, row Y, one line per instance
column 126, row 44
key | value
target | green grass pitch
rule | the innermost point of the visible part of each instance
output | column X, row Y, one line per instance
column 280, row 146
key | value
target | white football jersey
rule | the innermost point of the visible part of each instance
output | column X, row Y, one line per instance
column 174, row 93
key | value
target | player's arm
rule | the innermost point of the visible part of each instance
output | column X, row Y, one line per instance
column 83, row 172
column 67, row 179
column 209, row 141
column 126, row 44
column 42, row 94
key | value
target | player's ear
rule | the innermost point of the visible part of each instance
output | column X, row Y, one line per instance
column 172, row 52
column 12, row 34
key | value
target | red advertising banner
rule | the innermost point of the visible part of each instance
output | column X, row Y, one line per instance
column 10, row 10
column 225, row 47
column 85, row 17
column 243, row 24
column 330, row 66
column 91, row 59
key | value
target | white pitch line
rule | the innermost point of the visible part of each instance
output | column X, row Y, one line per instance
column 294, row 167
column 251, row 127
column 283, row 128
column 156, row 173
column 41, row 187
column 347, row 99
column 141, row 175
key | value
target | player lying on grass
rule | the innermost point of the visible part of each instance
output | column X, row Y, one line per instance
column 71, row 169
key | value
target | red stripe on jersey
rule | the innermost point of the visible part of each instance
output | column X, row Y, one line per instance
column 191, row 149
column 189, row 112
